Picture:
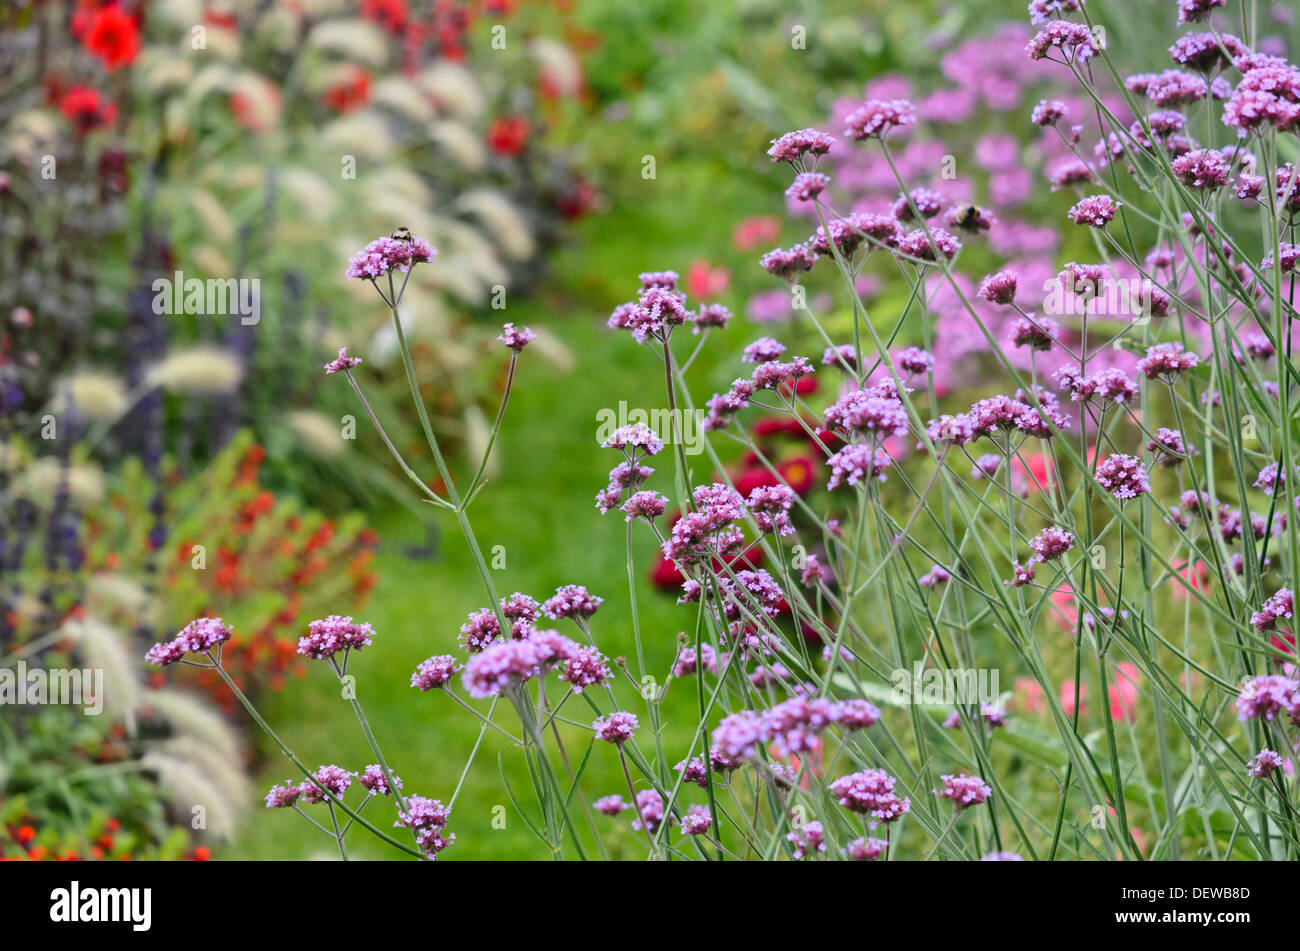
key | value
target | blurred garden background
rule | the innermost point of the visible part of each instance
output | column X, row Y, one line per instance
column 551, row 150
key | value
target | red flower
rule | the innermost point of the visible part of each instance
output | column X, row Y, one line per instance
column 704, row 280
column 579, row 199
column 390, row 14
column 349, row 93
column 508, row 135
column 752, row 478
column 86, row 109
column 799, row 474
column 113, row 37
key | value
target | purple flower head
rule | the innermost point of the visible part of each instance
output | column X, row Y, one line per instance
column 795, row 725
column 197, row 637
column 1069, row 172
column 686, row 664
column 656, row 312
column 1203, row 168
column 503, row 664
column 763, row 350
column 697, row 820
column 373, row 778
column 914, row 361
column 1074, row 40
column 694, row 771
column 788, row 263
column 855, row 714
column 1265, row 697
column 644, row 504
column 926, row 201
column 1111, row 385
column 1123, row 476
column 807, row 186
column 928, row 247
column 572, row 601
column 1171, row 89
column 1045, row 11
column 770, row 506
column 964, row 791
column 585, row 667
column 738, row 736
column 792, row 146
column 1280, row 604
column 522, row 612
column 1021, row 575
column 1095, row 211
column 1036, row 333
column 480, row 630
column 876, row 118
column 710, row 315
column 638, row 436
column 1205, row 52
column 334, row 779
column 1051, row 543
column 1165, row 361
column 423, row 814
column 616, row 728
column 807, row 840
column 328, row 636
column 1194, row 11
column 934, row 577
column 650, row 809
column 342, row 362
column 866, row 412
column 1003, row 857
column 953, row 430
column 663, row 280
column 1168, row 445
column 281, row 797
column 386, row 255
column 516, row 338
column 858, row 462
column 719, row 503
column 1263, row 764
column 1049, row 112
column 609, row 805
column 1289, row 255
column 866, row 849
column 870, row 791
column 435, row 672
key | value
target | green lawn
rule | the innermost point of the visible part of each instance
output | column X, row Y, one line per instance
column 541, row 510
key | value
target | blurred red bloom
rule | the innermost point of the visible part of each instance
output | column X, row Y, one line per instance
column 390, row 14
column 1035, row 470
column 508, row 134
column 704, row 280
column 754, row 232
column 799, row 474
column 577, row 200
column 349, row 93
column 1124, row 692
column 113, row 37
column 87, row 109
